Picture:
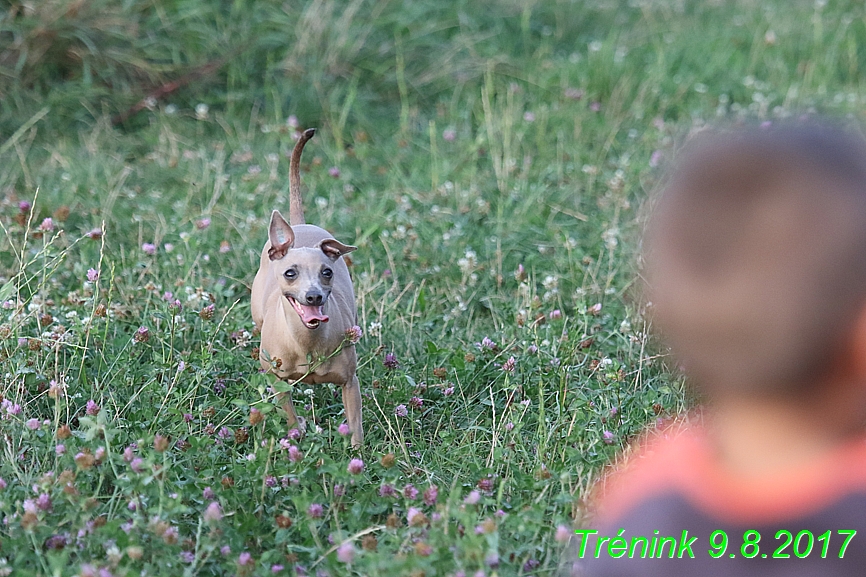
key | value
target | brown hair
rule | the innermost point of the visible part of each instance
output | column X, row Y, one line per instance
column 756, row 255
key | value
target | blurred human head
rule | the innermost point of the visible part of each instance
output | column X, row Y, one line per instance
column 756, row 256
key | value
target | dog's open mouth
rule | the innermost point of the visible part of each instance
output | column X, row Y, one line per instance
column 311, row 316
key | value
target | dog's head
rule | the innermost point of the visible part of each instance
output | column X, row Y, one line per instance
column 305, row 274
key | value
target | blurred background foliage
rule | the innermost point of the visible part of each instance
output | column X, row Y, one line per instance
column 86, row 57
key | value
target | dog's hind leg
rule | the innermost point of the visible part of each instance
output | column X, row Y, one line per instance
column 352, row 404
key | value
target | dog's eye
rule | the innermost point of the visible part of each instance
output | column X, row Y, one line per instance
column 291, row 274
column 327, row 273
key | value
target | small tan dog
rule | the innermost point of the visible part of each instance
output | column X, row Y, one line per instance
column 303, row 304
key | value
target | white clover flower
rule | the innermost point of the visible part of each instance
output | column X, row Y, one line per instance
column 374, row 329
column 617, row 181
column 610, row 238
column 468, row 261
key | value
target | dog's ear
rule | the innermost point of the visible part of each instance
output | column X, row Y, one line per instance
column 334, row 249
column 281, row 235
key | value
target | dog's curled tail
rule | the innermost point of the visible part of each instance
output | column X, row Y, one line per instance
column 296, row 205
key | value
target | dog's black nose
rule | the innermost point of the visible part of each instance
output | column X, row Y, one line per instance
column 315, row 299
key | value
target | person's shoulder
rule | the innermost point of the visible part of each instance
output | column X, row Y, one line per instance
column 682, row 465
column 671, row 461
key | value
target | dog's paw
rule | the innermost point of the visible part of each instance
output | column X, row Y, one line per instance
column 299, row 425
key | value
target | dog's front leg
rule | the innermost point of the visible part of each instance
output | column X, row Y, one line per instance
column 291, row 416
column 352, row 404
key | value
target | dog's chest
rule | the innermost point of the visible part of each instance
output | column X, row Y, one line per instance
column 316, row 368
column 301, row 352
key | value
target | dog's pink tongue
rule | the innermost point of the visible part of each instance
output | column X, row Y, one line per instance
column 310, row 313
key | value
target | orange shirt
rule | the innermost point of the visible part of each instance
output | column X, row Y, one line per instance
column 674, row 510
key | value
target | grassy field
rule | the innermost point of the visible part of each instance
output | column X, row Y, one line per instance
column 490, row 160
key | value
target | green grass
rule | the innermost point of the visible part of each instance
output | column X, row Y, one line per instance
column 491, row 165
